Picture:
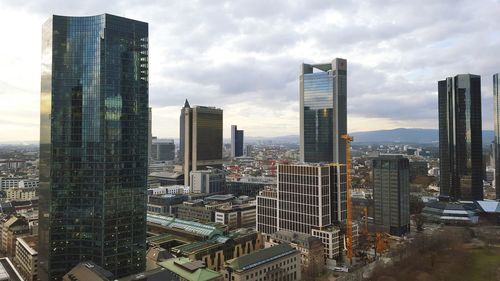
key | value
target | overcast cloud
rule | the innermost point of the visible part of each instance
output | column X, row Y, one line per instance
column 244, row 56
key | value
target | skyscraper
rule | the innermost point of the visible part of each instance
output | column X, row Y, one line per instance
column 460, row 138
column 200, row 138
column 496, row 141
column 93, row 144
column 323, row 112
column 391, row 193
column 236, row 141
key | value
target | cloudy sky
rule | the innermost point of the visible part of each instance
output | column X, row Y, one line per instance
column 244, row 56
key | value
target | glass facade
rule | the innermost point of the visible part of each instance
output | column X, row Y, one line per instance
column 460, row 138
column 496, row 141
column 236, row 141
column 323, row 112
column 93, row 144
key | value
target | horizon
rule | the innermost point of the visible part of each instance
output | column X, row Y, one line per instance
column 245, row 59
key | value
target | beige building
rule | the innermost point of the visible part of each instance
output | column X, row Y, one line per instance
column 277, row 263
column 21, row 193
column 27, row 257
column 12, row 228
column 310, row 248
column 236, row 216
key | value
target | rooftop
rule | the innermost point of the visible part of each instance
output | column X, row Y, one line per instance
column 30, row 243
column 261, row 257
column 206, row 230
column 189, row 270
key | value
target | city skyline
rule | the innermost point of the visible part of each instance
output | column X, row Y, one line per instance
column 248, row 57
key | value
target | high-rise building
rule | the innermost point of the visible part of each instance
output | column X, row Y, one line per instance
column 200, row 138
column 460, row 138
column 306, row 200
column 236, row 142
column 391, row 193
column 496, row 141
column 163, row 150
column 93, row 144
column 323, row 112
column 150, row 134
column 208, row 181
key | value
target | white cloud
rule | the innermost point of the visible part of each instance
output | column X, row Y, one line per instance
column 244, row 56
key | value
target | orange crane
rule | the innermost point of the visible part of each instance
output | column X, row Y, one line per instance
column 348, row 139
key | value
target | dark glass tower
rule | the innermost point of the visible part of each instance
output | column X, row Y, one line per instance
column 460, row 138
column 93, row 144
column 236, row 141
column 200, row 138
column 391, row 193
column 323, row 111
column 496, row 141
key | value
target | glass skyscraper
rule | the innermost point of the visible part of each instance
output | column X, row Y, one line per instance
column 93, row 144
column 236, row 141
column 323, row 111
column 460, row 138
column 496, row 141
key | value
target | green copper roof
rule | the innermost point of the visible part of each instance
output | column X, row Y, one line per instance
column 261, row 256
column 199, row 274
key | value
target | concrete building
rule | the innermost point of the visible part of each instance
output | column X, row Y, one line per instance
column 21, row 193
column 310, row 247
column 200, row 138
column 280, row 262
column 236, row 142
column 8, row 271
column 27, row 257
column 195, row 211
column 236, row 216
column 163, row 150
column 460, row 138
column 323, row 111
column 164, row 203
column 208, row 181
column 267, row 211
column 391, row 193
column 12, row 228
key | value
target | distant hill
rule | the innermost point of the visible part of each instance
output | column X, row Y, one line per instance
column 403, row 135
column 400, row 135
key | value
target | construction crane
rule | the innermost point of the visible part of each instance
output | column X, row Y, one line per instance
column 348, row 139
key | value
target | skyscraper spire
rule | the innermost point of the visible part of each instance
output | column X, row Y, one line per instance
column 186, row 104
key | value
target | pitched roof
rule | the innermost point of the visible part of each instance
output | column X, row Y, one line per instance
column 189, row 270
column 261, row 257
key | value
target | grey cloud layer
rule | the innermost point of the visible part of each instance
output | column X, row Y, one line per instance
column 397, row 50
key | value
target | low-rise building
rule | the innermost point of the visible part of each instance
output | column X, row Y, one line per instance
column 21, row 193
column 27, row 257
column 310, row 248
column 163, row 204
column 12, row 228
column 208, row 181
column 236, row 216
column 188, row 270
column 280, row 262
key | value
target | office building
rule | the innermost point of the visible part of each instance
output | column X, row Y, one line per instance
column 280, row 262
column 93, row 144
column 391, row 194
column 323, row 112
column 27, row 257
column 236, row 142
column 310, row 247
column 208, row 181
column 460, row 138
column 200, row 138
column 496, row 140
column 163, row 150
column 150, row 134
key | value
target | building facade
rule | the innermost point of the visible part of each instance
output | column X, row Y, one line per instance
column 323, row 112
column 27, row 257
column 21, row 193
column 236, row 141
column 208, row 181
column 93, row 144
column 496, row 124
column 460, row 138
column 163, row 150
column 280, row 262
column 200, row 138
column 391, row 193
